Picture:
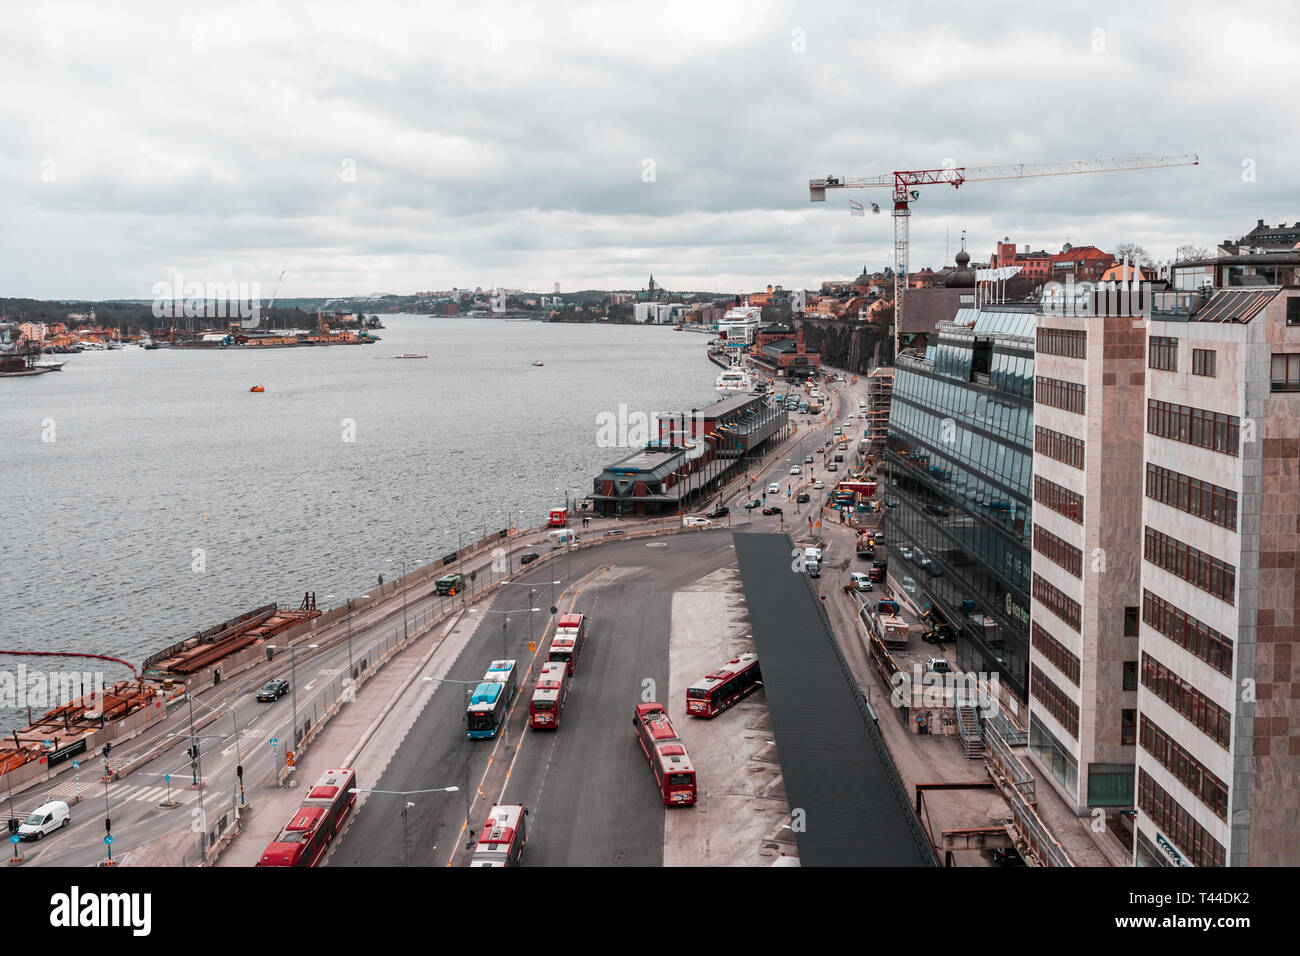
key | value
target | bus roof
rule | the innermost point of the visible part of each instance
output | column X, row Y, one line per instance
column 305, row 819
column 501, row 824
column 554, row 670
column 657, row 722
column 568, row 621
column 564, row 640
column 725, row 672
column 329, row 784
column 499, row 667
column 486, row 694
column 674, row 758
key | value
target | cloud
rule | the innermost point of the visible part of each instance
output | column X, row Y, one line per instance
column 406, row 146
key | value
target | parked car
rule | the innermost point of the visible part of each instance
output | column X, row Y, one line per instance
column 801, row 497
column 832, row 467
column 860, row 581
column 751, row 505
column 1005, row 856
column 906, row 553
column 273, row 689
column 721, row 511
column 772, row 510
column 46, row 818
column 818, row 485
column 532, row 556
column 813, row 568
column 613, row 531
column 938, row 665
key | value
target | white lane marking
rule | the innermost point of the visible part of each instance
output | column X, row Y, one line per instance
column 310, row 685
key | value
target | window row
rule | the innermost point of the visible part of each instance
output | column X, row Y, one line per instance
column 1213, row 430
column 1201, row 498
column 1204, row 713
column 1059, row 551
column 1056, row 701
column 1056, row 601
column 1071, row 343
column 1063, row 448
column 1191, row 564
column 1180, row 627
column 1162, row 353
column 1059, row 499
column 1189, row 771
column 1061, row 657
column 1171, row 817
column 1068, row 396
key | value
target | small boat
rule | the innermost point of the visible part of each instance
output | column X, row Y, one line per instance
column 410, row 355
column 257, row 388
column 537, row 365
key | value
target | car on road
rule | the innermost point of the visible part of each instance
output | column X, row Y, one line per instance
column 721, row 511
column 844, row 446
column 832, row 467
column 772, row 510
column 935, row 509
column 692, row 520
column 818, row 485
column 891, row 502
column 908, row 584
column 934, row 570
column 273, row 689
column 796, row 469
column 905, row 553
column 807, row 459
column 532, row 556
column 814, row 568
column 751, row 505
column 44, row 819
column 859, row 581
column 938, row 665
column 801, row 497
column 774, row 488
column 1005, row 856
column 613, row 531
column 922, row 558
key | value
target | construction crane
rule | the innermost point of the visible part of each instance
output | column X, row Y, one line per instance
column 275, row 290
column 904, row 182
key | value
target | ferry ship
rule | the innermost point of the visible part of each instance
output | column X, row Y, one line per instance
column 734, row 379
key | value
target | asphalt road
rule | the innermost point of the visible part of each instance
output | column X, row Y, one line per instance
column 590, row 793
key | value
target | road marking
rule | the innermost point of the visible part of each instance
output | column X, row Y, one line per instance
column 310, row 685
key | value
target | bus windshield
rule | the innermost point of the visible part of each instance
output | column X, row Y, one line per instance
column 542, row 705
column 697, row 693
column 482, row 721
column 680, row 779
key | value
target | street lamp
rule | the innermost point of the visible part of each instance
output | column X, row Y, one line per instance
column 406, row 805
column 293, row 680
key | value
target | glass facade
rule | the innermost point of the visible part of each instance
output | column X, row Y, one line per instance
column 958, row 468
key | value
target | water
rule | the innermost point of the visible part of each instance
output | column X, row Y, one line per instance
column 171, row 498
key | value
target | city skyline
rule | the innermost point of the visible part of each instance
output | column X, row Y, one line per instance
column 394, row 150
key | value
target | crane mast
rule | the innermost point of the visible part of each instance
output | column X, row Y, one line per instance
column 904, row 195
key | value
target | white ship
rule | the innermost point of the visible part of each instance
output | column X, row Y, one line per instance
column 734, row 379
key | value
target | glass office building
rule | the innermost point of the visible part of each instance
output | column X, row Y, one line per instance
column 958, row 465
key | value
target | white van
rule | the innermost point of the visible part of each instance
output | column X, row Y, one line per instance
column 561, row 537
column 44, row 819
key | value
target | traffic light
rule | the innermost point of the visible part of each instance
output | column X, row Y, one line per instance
column 239, row 771
column 270, row 653
column 13, row 825
column 107, row 748
column 108, row 825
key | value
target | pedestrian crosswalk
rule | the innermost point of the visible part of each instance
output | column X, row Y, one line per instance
column 118, row 792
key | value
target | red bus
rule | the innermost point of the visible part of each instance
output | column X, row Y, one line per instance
column 730, row 683
column 502, row 841
column 666, row 754
column 304, row 841
column 549, row 697
column 570, row 636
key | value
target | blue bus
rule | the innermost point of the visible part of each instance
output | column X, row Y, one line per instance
column 489, row 705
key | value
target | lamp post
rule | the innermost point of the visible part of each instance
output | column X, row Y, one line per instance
column 405, row 633
column 293, row 681
column 406, row 805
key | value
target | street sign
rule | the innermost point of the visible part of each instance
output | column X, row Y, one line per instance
column 108, row 839
column 167, row 778
column 275, row 741
column 76, row 765
column 15, row 838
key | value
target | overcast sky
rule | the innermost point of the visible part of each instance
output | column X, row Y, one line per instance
column 401, row 147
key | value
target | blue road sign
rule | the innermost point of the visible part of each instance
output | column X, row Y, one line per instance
column 14, row 839
column 76, row 765
column 108, row 840
column 167, row 778
column 275, row 741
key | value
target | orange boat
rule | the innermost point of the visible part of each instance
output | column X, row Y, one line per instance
column 257, row 388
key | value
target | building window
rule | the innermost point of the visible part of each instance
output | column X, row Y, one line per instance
column 1057, row 653
column 1293, row 311
column 1063, row 448
column 1059, row 551
column 1195, row 707
column 1130, row 622
column 1191, row 564
column 1056, row 701
column 1195, row 426
column 1203, row 361
column 1163, row 353
column 1130, row 675
column 1068, row 396
column 1057, row 601
column 1128, row 727
column 1167, row 814
column 1059, row 499
column 1189, row 771
column 1071, row 343
column 1189, row 633
column 1286, row 372
column 1201, row 498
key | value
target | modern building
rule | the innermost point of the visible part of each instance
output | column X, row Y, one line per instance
column 958, row 466
column 1089, row 379
column 1218, row 756
column 690, row 458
